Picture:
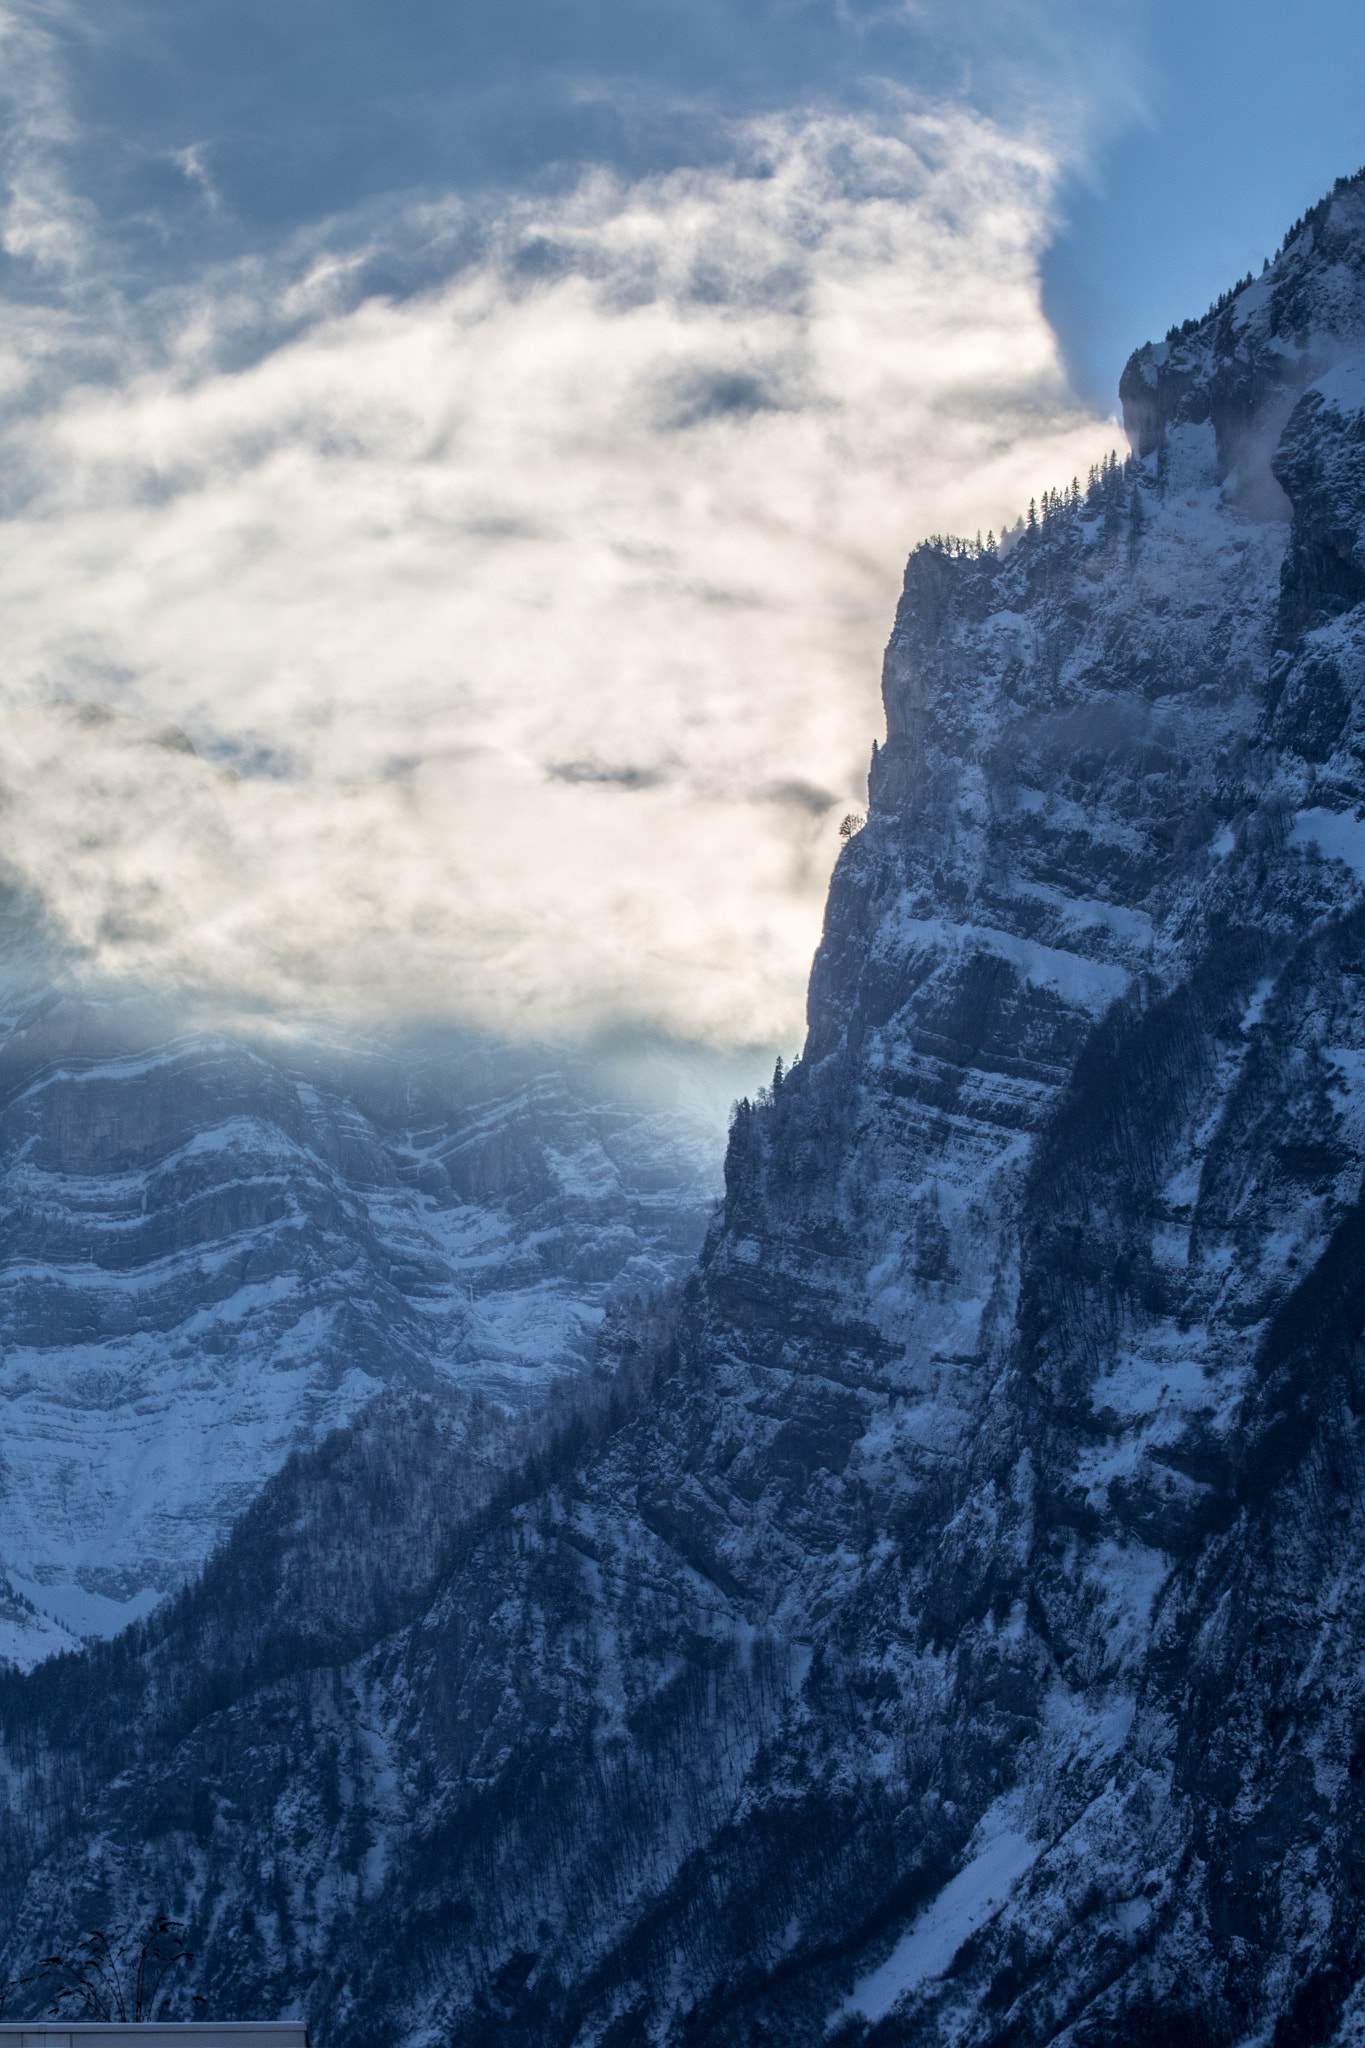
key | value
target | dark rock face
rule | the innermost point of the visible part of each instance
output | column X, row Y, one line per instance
column 1321, row 464
column 947, row 1623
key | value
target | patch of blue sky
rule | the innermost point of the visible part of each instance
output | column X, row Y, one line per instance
column 1250, row 110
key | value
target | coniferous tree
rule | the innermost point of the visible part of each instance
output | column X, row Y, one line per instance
column 1112, row 517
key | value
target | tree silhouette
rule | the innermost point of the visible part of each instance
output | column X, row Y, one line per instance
column 118, row 1976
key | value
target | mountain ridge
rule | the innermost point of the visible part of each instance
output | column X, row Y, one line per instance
column 950, row 1628
column 216, row 1245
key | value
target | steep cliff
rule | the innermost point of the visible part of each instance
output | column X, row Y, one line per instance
column 949, row 1623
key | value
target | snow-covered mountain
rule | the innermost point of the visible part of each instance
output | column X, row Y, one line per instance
column 215, row 1248
column 949, row 1625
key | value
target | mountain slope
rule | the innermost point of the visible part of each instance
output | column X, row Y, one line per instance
column 216, row 1247
column 947, row 1626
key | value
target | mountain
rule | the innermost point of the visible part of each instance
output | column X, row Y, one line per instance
column 216, row 1246
column 945, row 1622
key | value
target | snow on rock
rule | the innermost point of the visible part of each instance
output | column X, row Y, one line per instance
column 964, row 1905
column 951, row 1627
column 1336, row 835
column 217, row 1249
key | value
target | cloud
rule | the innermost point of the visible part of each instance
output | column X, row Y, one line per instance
column 219, row 127
column 540, row 612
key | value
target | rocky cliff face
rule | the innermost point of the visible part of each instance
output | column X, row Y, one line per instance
column 949, row 1623
column 215, row 1248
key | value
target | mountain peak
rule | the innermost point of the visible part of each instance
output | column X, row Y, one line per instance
column 1242, row 367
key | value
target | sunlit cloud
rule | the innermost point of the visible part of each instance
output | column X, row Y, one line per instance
column 539, row 613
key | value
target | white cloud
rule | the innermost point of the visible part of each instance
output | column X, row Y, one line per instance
column 577, row 569
column 41, row 222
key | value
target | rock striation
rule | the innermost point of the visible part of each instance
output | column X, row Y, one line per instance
column 947, row 1625
column 214, row 1247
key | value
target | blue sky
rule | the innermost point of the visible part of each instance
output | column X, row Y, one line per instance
column 1248, row 112
column 495, row 432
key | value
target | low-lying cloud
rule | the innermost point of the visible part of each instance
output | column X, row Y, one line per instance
column 538, row 614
